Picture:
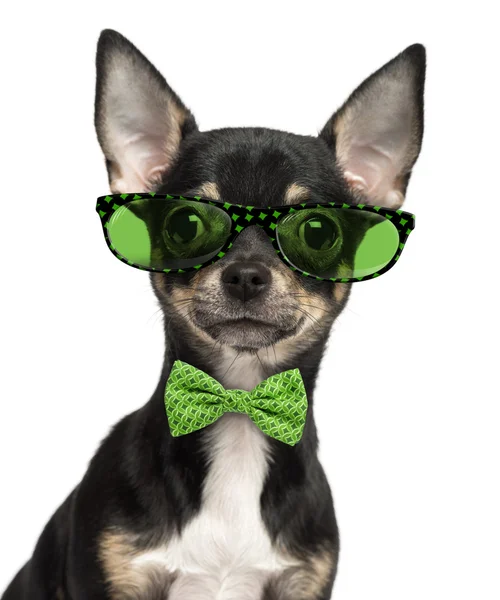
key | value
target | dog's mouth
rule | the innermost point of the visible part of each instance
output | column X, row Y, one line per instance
column 248, row 322
column 248, row 332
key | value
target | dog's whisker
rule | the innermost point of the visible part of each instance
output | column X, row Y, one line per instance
column 308, row 314
column 333, row 300
column 232, row 363
column 189, row 314
column 316, row 307
column 268, row 360
column 313, row 319
column 262, row 365
column 267, row 353
column 273, row 346
column 181, row 301
column 157, row 313
column 299, row 296
column 186, row 316
column 215, row 346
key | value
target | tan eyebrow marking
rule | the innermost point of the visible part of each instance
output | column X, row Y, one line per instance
column 208, row 190
column 295, row 193
column 339, row 291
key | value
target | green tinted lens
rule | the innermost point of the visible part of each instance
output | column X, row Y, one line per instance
column 162, row 234
column 337, row 243
column 377, row 247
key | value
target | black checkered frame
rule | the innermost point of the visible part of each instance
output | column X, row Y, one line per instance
column 267, row 218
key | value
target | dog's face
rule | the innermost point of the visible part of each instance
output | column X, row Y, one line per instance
column 250, row 300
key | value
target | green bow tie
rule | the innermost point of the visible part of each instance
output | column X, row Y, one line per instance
column 278, row 405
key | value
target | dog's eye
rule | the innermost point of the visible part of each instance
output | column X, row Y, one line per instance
column 318, row 232
column 184, row 226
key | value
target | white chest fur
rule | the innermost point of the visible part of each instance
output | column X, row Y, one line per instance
column 225, row 551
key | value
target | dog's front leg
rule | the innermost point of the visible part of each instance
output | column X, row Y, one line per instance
column 312, row 581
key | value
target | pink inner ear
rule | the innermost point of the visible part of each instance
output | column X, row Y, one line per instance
column 371, row 169
column 142, row 123
column 140, row 164
column 373, row 173
column 375, row 137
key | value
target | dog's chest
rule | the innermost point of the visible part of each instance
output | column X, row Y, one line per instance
column 225, row 551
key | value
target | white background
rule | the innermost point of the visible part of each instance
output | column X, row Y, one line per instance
column 407, row 400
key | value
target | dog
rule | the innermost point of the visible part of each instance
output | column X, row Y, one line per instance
column 225, row 512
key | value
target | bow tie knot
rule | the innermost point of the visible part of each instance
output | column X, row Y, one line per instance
column 278, row 405
column 236, row 401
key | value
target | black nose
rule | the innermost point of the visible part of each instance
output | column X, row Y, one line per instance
column 245, row 280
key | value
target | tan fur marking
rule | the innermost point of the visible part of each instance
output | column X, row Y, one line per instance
column 307, row 581
column 177, row 293
column 313, row 308
column 116, row 554
column 179, row 300
column 344, row 120
column 128, row 581
column 159, row 282
column 296, row 193
column 208, row 190
column 340, row 291
column 323, row 564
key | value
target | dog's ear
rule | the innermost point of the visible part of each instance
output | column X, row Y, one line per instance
column 140, row 121
column 377, row 134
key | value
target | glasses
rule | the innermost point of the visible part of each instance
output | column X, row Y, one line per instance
column 326, row 241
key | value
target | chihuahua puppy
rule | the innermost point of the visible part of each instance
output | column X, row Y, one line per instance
column 226, row 512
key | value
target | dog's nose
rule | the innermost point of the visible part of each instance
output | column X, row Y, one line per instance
column 245, row 280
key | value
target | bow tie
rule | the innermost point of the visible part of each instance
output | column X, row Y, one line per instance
column 278, row 405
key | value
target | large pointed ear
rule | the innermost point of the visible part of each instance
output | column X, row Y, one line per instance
column 140, row 121
column 377, row 134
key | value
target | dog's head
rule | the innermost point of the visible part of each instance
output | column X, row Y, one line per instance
column 250, row 300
